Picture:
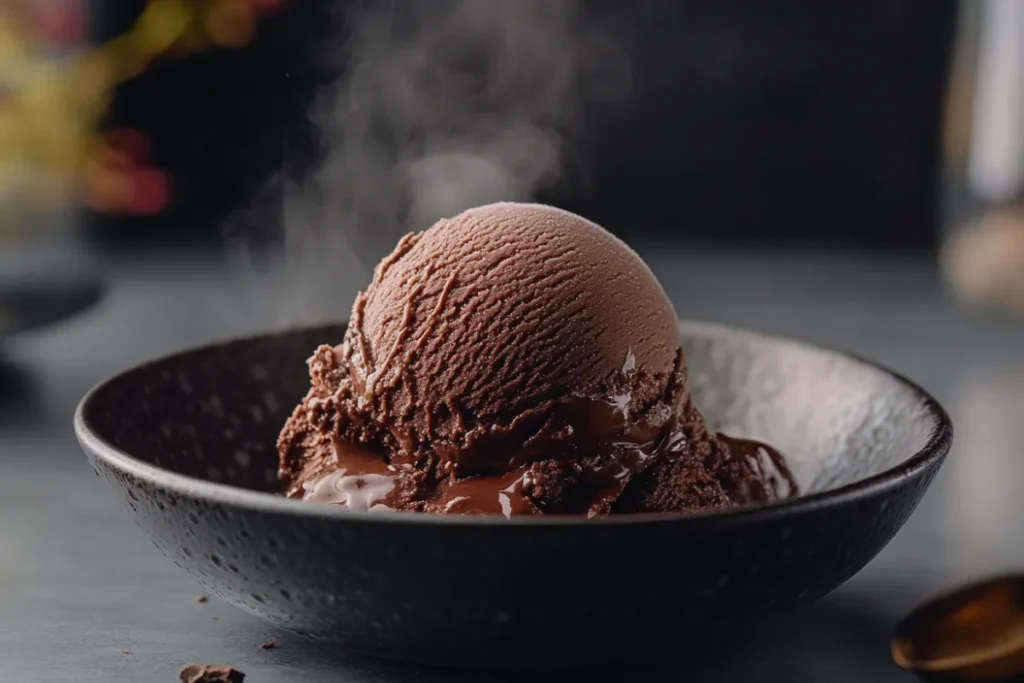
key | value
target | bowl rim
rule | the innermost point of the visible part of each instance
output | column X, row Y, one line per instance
column 930, row 455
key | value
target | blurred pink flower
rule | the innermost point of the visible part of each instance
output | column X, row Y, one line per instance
column 267, row 5
column 118, row 180
column 59, row 23
column 128, row 141
column 150, row 190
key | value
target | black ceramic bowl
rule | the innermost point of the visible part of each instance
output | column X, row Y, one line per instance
column 189, row 441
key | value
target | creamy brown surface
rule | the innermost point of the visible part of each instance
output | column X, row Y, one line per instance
column 516, row 359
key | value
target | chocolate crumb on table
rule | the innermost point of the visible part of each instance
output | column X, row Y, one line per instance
column 201, row 599
column 204, row 673
column 269, row 645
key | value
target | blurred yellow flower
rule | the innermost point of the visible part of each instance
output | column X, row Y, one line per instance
column 51, row 148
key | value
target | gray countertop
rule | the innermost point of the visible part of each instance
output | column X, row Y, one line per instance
column 86, row 598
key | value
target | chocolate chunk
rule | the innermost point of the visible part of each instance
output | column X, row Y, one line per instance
column 204, row 673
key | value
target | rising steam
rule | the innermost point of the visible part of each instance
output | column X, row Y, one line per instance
column 442, row 105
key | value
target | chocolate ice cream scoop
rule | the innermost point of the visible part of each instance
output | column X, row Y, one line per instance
column 503, row 308
column 515, row 359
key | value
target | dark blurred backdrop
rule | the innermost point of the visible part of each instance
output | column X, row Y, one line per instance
column 794, row 122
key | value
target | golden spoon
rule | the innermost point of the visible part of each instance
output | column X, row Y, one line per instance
column 972, row 634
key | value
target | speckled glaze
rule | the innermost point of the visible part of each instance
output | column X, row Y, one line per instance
column 189, row 441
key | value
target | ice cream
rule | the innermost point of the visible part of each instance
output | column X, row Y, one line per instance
column 515, row 359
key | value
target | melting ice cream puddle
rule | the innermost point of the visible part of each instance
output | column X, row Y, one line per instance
column 773, row 480
column 359, row 492
column 364, row 482
column 488, row 495
column 355, row 492
column 361, row 483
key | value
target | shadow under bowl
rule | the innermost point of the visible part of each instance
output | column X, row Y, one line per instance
column 190, row 442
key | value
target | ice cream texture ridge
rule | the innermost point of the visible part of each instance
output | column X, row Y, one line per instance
column 515, row 359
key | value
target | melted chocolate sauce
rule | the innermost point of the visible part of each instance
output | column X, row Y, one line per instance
column 487, row 496
column 773, row 480
column 362, row 482
column 365, row 482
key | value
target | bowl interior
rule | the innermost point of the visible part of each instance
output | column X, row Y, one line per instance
column 214, row 413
